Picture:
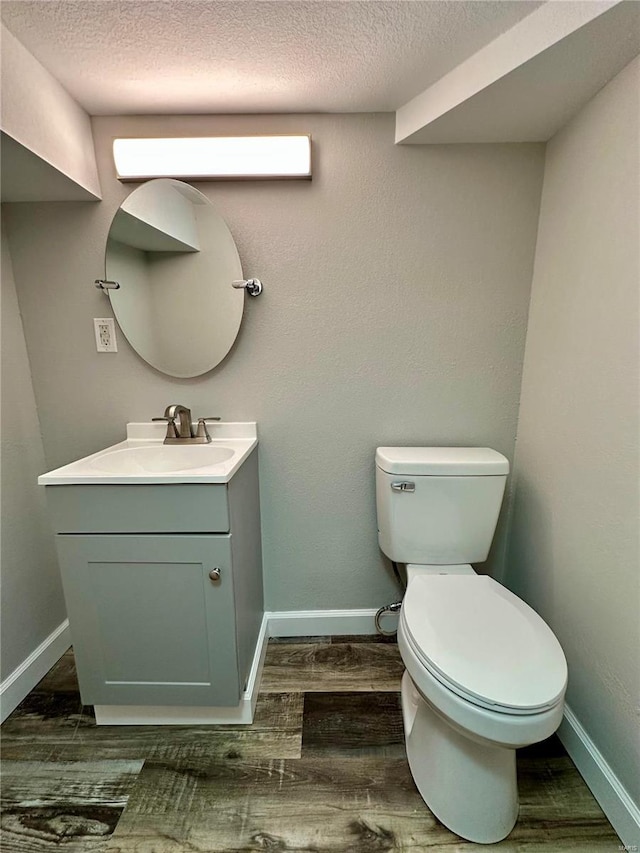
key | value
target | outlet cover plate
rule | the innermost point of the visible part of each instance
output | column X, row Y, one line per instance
column 105, row 331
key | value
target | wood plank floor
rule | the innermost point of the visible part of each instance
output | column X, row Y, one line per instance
column 321, row 770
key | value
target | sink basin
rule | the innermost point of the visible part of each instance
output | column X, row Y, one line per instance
column 161, row 460
column 144, row 459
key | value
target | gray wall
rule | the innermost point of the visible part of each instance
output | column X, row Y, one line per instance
column 396, row 294
column 574, row 544
column 32, row 603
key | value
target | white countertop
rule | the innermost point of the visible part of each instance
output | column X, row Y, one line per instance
column 143, row 458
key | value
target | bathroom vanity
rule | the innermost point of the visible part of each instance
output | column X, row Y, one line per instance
column 162, row 574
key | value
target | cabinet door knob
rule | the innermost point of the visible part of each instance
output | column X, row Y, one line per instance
column 214, row 574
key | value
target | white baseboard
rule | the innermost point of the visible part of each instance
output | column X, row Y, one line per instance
column 25, row 677
column 605, row 786
column 324, row 623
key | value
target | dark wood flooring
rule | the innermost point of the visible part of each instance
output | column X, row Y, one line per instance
column 321, row 770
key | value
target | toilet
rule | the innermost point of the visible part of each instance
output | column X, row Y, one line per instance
column 484, row 674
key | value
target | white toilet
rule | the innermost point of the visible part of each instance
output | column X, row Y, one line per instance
column 484, row 673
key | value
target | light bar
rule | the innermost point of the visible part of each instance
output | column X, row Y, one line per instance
column 213, row 157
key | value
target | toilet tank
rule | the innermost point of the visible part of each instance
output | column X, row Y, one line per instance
column 438, row 505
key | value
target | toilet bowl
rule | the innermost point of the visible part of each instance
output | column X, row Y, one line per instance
column 485, row 674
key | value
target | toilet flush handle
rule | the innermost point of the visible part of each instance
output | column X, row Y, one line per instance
column 403, row 486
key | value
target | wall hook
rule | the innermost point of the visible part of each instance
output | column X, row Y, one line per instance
column 253, row 286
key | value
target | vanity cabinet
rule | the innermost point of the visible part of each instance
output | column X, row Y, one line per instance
column 163, row 585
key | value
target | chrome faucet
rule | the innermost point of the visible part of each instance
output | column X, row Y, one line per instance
column 184, row 419
column 182, row 432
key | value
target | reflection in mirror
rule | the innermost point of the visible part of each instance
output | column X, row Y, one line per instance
column 175, row 259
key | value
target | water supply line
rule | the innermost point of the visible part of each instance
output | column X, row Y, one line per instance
column 390, row 608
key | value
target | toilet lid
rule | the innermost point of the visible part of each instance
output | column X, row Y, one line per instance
column 484, row 643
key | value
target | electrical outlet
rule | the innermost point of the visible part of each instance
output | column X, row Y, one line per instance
column 105, row 330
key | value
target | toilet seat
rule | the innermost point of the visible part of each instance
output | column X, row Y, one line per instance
column 484, row 643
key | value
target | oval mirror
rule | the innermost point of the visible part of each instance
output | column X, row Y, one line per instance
column 174, row 259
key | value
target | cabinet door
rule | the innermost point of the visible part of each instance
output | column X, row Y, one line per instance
column 149, row 627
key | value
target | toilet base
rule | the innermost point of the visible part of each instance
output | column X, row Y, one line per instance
column 470, row 787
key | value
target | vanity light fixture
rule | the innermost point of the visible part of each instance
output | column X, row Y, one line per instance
column 213, row 157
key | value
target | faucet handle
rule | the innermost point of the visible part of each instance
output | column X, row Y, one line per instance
column 172, row 432
column 202, row 432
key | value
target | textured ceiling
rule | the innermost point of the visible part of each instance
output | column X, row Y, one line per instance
column 233, row 56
